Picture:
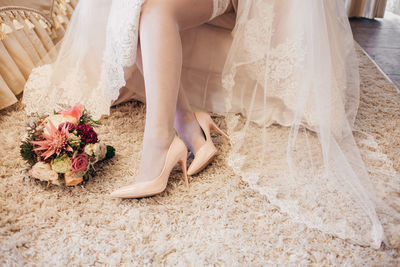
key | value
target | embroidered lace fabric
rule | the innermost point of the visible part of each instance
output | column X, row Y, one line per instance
column 118, row 50
column 285, row 68
column 79, row 82
column 282, row 69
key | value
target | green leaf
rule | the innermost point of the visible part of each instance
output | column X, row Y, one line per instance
column 27, row 153
column 110, row 152
column 96, row 122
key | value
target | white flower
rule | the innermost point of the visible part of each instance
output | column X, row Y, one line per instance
column 57, row 119
column 89, row 149
column 97, row 150
column 102, row 151
column 43, row 172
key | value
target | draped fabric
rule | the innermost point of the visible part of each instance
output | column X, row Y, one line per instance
column 286, row 79
column 29, row 31
column 299, row 70
column 366, row 8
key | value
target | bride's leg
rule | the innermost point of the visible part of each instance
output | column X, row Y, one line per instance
column 186, row 123
column 161, row 50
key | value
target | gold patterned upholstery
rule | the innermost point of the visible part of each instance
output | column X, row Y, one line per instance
column 44, row 7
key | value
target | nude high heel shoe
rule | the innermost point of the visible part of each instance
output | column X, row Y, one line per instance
column 177, row 153
column 208, row 151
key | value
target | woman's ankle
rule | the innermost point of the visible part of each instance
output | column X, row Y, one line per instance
column 189, row 130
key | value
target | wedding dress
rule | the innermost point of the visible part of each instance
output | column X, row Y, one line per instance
column 286, row 79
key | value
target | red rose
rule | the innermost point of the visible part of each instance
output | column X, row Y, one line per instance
column 80, row 162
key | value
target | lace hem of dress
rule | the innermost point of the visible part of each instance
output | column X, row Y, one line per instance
column 334, row 200
column 97, row 95
column 121, row 44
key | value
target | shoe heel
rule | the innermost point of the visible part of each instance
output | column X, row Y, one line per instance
column 182, row 163
column 214, row 127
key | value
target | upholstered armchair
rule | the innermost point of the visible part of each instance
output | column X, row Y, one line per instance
column 29, row 31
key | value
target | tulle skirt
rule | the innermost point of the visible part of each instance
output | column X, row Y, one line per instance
column 285, row 76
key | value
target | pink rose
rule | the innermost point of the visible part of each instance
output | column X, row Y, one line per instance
column 80, row 162
column 73, row 113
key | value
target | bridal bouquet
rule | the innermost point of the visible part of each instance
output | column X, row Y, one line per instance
column 63, row 148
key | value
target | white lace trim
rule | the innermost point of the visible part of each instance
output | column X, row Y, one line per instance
column 326, row 201
column 121, row 45
column 120, row 52
column 42, row 95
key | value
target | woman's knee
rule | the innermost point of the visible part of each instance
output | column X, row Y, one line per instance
column 155, row 11
column 183, row 13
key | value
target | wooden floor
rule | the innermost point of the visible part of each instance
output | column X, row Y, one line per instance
column 380, row 38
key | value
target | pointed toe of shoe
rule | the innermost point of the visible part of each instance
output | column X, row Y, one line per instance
column 202, row 158
column 128, row 191
column 177, row 153
column 194, row 167
column 191, row 170
column 198, row 166
column 207, row 152
column 139, row 190
column 115, row 194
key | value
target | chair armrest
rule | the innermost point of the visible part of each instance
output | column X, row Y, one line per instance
column 43, row 8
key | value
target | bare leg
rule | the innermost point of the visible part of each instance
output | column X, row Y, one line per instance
column 185, row 122
column 187, row 125
column 161, row 50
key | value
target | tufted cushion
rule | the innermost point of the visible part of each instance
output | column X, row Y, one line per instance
column 44, row 7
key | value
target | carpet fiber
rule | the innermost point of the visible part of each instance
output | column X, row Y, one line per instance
column 218, row 221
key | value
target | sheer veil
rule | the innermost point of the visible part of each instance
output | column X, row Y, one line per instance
column 293, row 63
column 292, row 91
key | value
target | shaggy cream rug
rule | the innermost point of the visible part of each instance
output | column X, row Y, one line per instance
column 218, row 221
